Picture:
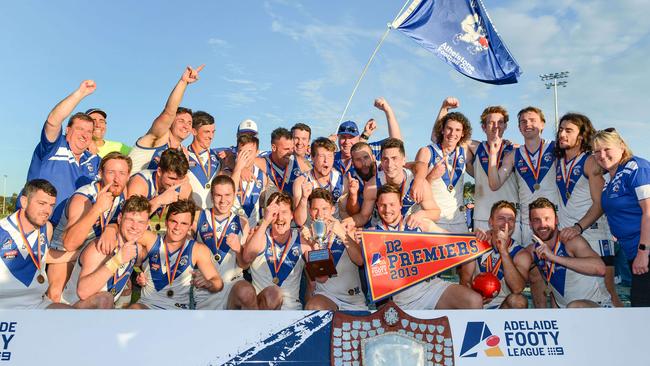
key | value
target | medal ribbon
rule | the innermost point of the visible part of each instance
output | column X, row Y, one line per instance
column 451, row 173
column 285, row 251
column 207, row 171
column 274, row 175
column 549, row 269
column 566, row 174
column 36, row 262
column 387, row 227
column 495, row 269
column 535, row 170
column 170, row 280
column 117, row 279
column 214, row 229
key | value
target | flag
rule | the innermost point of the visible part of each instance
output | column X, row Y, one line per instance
column 461, row 33
column 395, row 260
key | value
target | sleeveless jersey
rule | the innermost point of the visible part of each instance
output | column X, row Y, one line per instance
column 247, row 202
column 346, row 285
column 484, row 197
column 159, row 270
column 90, row 191
column 282, row 179
column 19, row 286
column 211, row 232
column 408, row 203
column 203, row 168
column 145, row 157
column 575, row 200
column 334, row 185
column 491, row 262
column 115, row 285
column 527, row 169
column 568, row 285
column 450, row 201
column 283, row 262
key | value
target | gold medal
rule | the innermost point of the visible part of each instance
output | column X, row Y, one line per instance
column 207, row 186
column 276, row 280
column 40, row 278
column 241, row 212
column 350, row 292
column 113, row 291
column 217, row 257
column 568, row 195
column 450, row 188
column 170, row 293
column 157, row 227
column 536, row 186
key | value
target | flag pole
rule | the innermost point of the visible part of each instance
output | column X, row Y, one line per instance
column 365, row 68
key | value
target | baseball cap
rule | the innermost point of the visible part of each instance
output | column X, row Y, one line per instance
column 96, row 110
column 247, row 125
column 348, row 128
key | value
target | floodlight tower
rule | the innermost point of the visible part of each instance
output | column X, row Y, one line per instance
column 552, row 80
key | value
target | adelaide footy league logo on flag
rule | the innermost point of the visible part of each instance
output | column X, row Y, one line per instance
column 396, row 260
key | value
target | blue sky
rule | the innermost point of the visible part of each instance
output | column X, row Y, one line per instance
column 281, row 62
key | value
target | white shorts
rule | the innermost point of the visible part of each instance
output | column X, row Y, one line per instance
column 25, row 303
column 431, row 294
column 205, row 300
column 344, row 305
column 483, row 225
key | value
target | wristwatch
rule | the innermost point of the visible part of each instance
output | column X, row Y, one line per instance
column 643, row 247
column 364, row 136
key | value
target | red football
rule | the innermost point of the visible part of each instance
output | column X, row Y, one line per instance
column 486, row 284
column 483, row 41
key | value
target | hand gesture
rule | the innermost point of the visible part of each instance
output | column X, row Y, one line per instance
column 358, row 235
column 272, row 210
column 541, row 249
column 191, row 75
column 108, row 241
column 307, row 187
column 417, row 189
column 494, row 143
column 105, row 198
column 170, row 195
column 501, row 240
column 438, row 170
column 127, row 252
column 244, row 159
column 333, row 137
column 87, row 87
column 353, row 185
column 483, row 235
column 450, row 103
column 233, row 242
column 370, row 127
column 382, row 104
column 349, row 225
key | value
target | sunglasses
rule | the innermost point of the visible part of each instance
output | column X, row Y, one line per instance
column 608, row 129
column 348, row 129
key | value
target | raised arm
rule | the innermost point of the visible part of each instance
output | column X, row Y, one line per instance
column 497, row 176
column 393, row 125
column 65, row 107
column 447, row 104
column 97, row 268
column 82, row 215
column 257, row 241
column 162, row 123
column 302, row 188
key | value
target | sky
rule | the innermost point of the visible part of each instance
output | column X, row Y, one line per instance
column 279, row 62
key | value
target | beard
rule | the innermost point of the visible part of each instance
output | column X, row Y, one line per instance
column 371, row 173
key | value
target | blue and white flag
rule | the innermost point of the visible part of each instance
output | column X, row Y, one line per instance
column 461, row 33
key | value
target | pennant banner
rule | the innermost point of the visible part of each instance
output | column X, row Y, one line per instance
column 395, row 260
column 461, row 33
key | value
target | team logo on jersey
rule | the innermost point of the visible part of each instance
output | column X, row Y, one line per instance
column 547, row 158
column 7, row 244
column 295, row 252
column 183, row 261
column 10, row 254
column 192, row 163
column 296, row 171
column 576, row 171
column 461, row 159
column 155, row 257
column 258, row 184
column 155, row 266
column 234, row 226
column 204, row 227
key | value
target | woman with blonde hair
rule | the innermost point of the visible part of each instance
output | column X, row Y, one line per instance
column 626, row 204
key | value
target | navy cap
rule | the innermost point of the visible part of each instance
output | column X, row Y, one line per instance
column 348, row 128
column 96, row 110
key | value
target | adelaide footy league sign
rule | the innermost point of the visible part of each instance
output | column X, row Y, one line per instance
column 395, row 260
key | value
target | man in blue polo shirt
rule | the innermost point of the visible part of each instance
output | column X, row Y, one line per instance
column 61, row 159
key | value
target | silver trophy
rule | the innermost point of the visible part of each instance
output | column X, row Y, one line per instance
column 320, row 261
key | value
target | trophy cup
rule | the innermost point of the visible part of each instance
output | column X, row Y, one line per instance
column 320, row 261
